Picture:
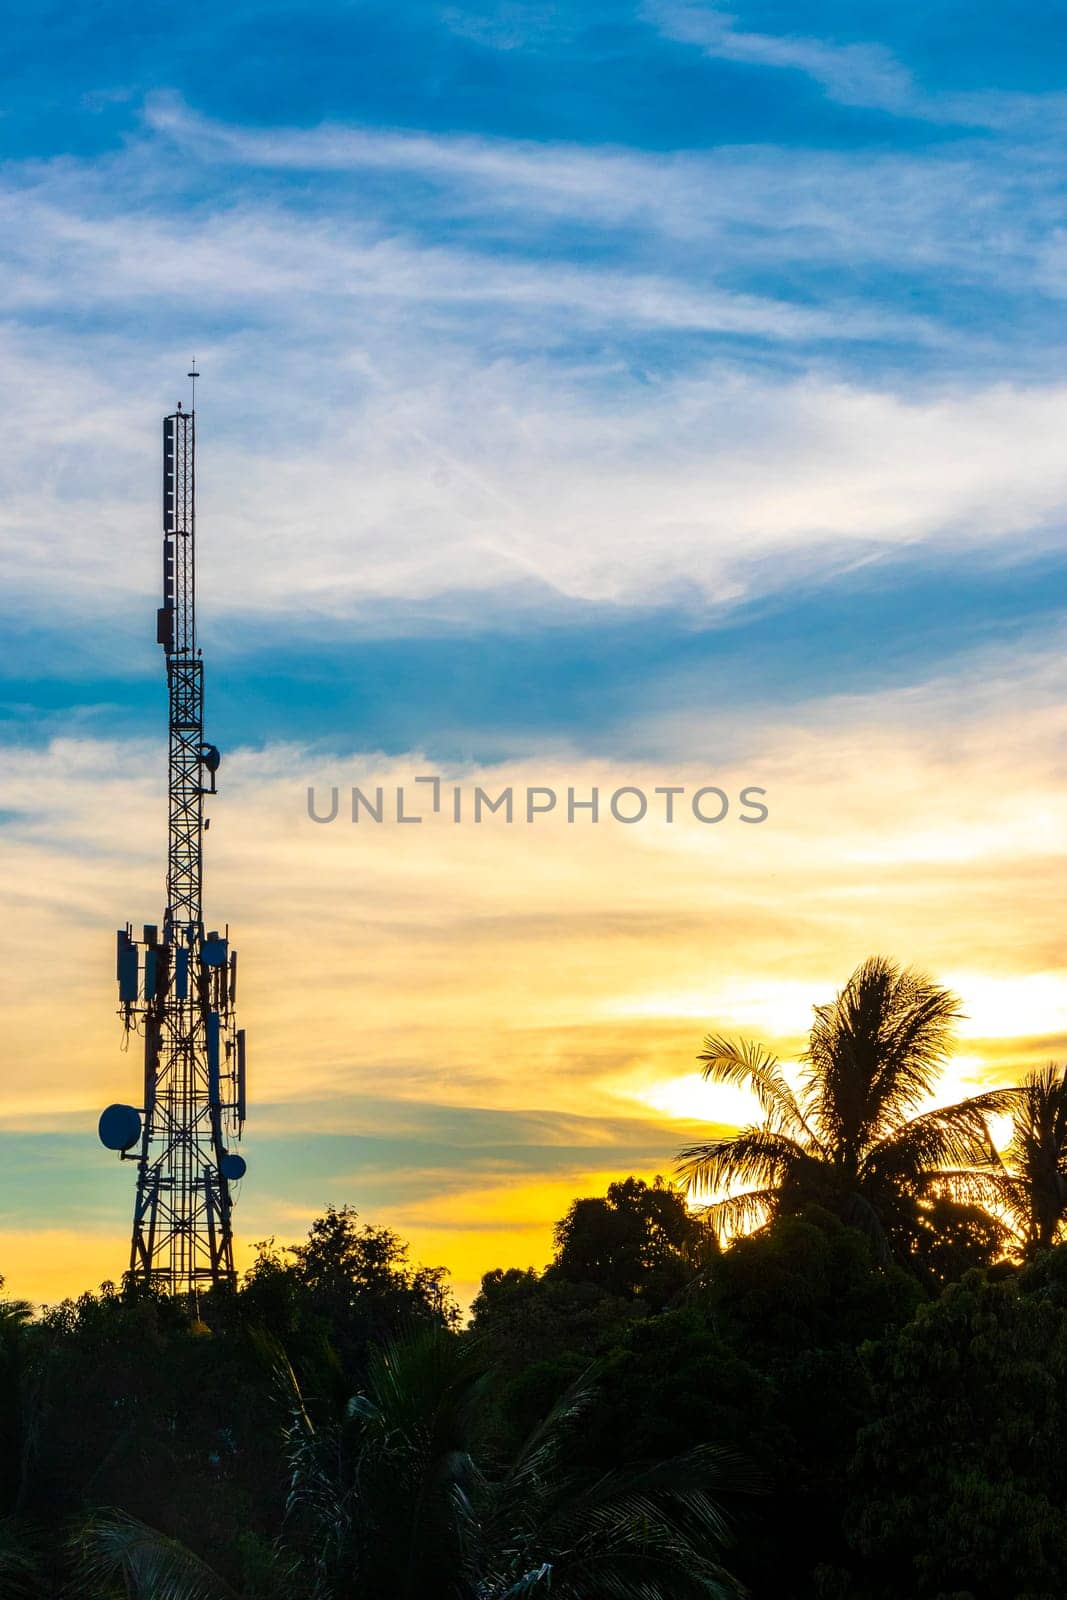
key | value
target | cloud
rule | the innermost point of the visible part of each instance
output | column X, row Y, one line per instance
column 969, row 206
column 703, row 490
column 853, row 74
column 547, row 959
column 248, row 261
column 864, row 74
column 402, row 410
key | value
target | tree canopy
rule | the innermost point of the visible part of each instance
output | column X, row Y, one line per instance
column 858, row 1393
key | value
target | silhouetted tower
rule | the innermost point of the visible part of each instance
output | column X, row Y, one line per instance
column 178, row 984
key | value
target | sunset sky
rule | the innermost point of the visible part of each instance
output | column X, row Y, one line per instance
column 592, row 395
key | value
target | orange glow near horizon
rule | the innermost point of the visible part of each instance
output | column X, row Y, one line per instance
column 460, row 1029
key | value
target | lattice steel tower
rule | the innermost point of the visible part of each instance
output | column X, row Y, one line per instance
column 178, row 984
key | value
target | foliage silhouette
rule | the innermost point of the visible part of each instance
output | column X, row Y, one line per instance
column 870, row 1357
column 390, row 1500
column 640, row 1241
column 400, row 1505
column 959, row 1480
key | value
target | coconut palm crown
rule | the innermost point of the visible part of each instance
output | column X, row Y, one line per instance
column 1033, row 1188
column 851, row 1138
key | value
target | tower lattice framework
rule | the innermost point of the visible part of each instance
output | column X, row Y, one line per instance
column 178, row 983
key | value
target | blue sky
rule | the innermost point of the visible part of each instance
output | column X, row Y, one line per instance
column 652, row 384
column 636, row 223
column 488, row 692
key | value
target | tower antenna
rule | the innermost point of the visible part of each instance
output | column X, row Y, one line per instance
column 178, row 984
column 194, row 375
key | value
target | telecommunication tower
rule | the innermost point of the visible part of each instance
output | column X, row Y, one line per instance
column 178, row 984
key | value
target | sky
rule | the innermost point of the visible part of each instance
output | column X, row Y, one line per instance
column 596, row 396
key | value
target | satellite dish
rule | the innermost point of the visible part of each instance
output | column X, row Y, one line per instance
column 119, row 1127
column 233, row 1166
column 210, row 756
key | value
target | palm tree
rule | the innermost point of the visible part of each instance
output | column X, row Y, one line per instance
column 1034, row 1183
column 850, row 1139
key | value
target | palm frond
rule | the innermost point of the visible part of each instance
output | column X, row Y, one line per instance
column 749, row 1065
column 949, row 1136
column 1041, row 1115
column 20, row 1577
column 116, row 1549
column 646, row 1531
column 546, row 1444
column 636, row 1575
column 756, row 1158
column 979, row 1198
column 537, row 1581
column 689, row 1477
column 652, row 1567
column 743, row 1213
column 15, row 1314
column 1037, row 1158
column 639, row 1532
column 876, row 1050
column 427, row 1377
column 991, row 1188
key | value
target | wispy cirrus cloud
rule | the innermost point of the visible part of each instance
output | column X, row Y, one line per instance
column 628, row 434
column 864, row 74
column 855, row 74
column 969, row 207
column 749, row 362
column 702, row 491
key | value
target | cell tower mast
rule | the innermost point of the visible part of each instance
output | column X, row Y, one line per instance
column 178, row 984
